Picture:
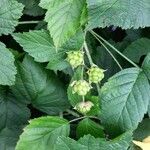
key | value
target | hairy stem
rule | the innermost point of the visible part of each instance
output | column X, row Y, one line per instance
column 28, row 22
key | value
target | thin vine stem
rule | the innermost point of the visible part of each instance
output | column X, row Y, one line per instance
column 116, row 50
column 88, row 54
column 83, row 117
column 76, row 119
column 28, row 22
column 117, row 62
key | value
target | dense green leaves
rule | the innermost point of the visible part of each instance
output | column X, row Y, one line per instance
column 12, row 112
column 10, row 12
column 42, row 133
column 122, row 13
column 63, row 18
column 36, row 77
column 87, row 126
column 125, row 98
column 137, row 49
column 43, row 89
column 7, row 67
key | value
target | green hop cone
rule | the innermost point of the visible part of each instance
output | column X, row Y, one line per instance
column 81, row 87
column 84, row 107
column 75, row 58
column 96, row 74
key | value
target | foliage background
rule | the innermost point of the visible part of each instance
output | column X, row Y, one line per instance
column 34, row 75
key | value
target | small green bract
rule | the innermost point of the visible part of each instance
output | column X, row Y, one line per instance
column 84, row 107
column 75, row 58
column 96, row 74
column 81, row 87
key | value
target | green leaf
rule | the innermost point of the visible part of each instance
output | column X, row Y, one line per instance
column 146, row 65
column 88, row 142
column 66, row 143
column 7, row 67
column 10, row 12
column 42, row 88
column 9, row 138
column 63, row 18
column 87, row 126
column 84, row 16
column 120, row 143
column 12, row 111
column 146, row 68
column 39, row 45
column 122, row 13
column 125, row 98
column 32, row 8
column 137, row 49
column 143, row 130
column 42, row 133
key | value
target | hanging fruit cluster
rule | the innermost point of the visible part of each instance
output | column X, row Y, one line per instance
column 82, row 87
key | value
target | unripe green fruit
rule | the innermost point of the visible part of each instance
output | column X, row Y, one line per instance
column 84, row 107
column 96, row 74
column 81, row 87
column 75, row 58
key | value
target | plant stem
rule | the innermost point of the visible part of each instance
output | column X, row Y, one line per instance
column 108, row 51
column 116, row 50
column 28, row 22
column 83, row 117
column 98, row 89
column 88, row 53
column 76, row 119
column 72, row 113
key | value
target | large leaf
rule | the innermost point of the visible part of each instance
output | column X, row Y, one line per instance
column 42, row 133
column 43, row 89
column 146, row 68
column 88, row 142
column 10, row 12
column 39, row 45
column 122, row 13
column 87, row 126
column 137, row 49
column 63, row 18
column 9, row 138
column 7, row 67
column 125, row 98
column 12, row 112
